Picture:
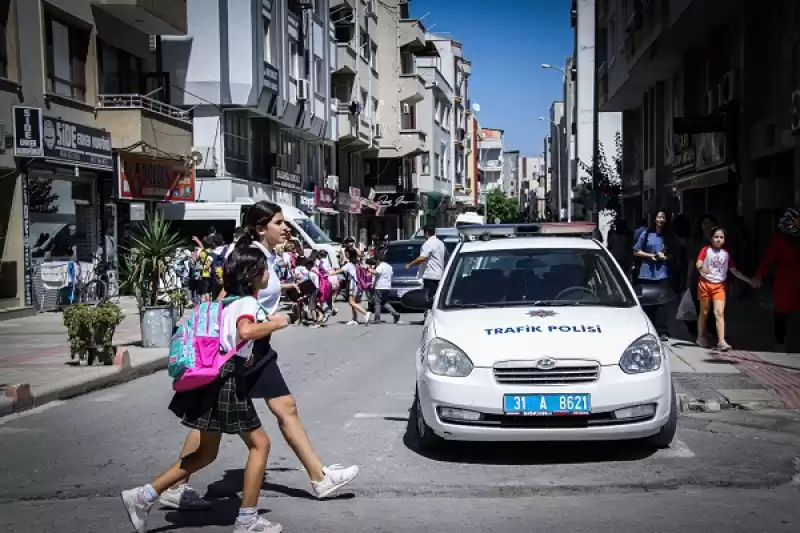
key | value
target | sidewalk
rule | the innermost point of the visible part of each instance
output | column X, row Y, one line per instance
column 748, row 377
column 35, row 366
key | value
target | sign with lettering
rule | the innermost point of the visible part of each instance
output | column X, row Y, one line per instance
column 141, row 177
column 28, row 132
column 355, row 200
column 286, row 180
column 398, row 200
column 325, row 198
column 272, row 78
column 76, row 144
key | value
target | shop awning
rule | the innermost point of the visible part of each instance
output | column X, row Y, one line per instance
column 703, row 179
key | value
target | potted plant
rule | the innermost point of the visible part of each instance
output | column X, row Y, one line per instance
column 149, row 276
column 178, row 299
column 90, row 330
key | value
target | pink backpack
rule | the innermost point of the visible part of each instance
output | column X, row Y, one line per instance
column 195, row 354
column 325, row 288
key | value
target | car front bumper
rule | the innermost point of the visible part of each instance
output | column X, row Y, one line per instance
column 479, row 393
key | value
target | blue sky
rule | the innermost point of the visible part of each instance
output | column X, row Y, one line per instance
column 507, row 41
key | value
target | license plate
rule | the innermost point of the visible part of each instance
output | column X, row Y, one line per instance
column 547, row 404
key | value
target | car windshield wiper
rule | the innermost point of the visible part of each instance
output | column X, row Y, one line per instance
column 471, row 306
column 557, row 303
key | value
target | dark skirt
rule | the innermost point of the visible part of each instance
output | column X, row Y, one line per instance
column 264, row 378
column 222, row 406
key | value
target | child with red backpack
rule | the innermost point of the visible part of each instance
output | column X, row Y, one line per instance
column 359, row 280
column 208, row 359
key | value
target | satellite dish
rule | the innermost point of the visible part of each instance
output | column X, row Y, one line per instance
column 476, row 107
column 197, row 158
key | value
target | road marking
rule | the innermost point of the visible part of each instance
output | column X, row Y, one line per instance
column 12, row 431
column 30, row 412
column 677, row 450
column 380, row 415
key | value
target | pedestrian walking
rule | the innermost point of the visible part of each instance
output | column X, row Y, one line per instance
column 432, row 258
column 383, row 282
column 783, row 255
column 698, row 241
column 355, row 288
column 223, row 407
column 651, row 250
column 713, row 264
column 266, row 228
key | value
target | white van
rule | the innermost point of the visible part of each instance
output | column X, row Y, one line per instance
column 196, row 218
column 469, row 219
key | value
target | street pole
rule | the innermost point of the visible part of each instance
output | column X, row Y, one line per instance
column 595, row 129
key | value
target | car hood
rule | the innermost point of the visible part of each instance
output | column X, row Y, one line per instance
column 522, row 333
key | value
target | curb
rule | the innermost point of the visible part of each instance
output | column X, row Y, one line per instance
column 20, row 398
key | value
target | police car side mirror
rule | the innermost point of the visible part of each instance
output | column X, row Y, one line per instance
column 416, row 300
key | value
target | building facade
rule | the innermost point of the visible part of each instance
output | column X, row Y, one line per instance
column 710, row 121
column 533, row 187
column 83, row 93
column 490, row 161
column 558, row 161
column 512, row 163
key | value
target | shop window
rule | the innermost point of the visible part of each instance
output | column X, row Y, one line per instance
column 67, row 49
column 120, row 72
column 237, row 142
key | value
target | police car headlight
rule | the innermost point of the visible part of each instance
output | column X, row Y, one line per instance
column 643, row 355
column 446, row 359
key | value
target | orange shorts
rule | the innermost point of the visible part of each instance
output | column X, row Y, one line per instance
column 707, row 290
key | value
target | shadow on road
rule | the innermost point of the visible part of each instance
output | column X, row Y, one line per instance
column 223, row 512
column 231, row 484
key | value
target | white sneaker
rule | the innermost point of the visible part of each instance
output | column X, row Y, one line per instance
column 336, row 477
column 259, row 525
column 367, row 318
column 138, row 508
column 183, row 498
column 352, row 323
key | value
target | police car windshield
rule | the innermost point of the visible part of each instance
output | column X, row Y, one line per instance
column 541, row 277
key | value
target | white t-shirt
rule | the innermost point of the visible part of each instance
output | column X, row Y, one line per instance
column 434, row 251
column 270, row 296
column 384, row 276
column 314, row 278
column 246, row 307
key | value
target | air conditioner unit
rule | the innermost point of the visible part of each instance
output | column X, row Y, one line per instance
column 370, row 7
column 302, row 90
column 726, row 89
column 795, row 111
column 406, row 109
column 378, row 131
column 204, row 157
column 711, row 102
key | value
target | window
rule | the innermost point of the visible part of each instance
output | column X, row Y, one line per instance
column 402, row 254
column 267, row 43
column 364, row 99
column 237, row 142
column 375, row 108
column 425, row 163
column 436, row 106
column 319, row 9
column 373, row 56
column 67, row 48
column 289, row 159
column 503, row 278
column 437, row 162
column 120, row 72
column 408, row 117
column 364, row 44
column 407, row 63
column 294, row 61
column 319, row 75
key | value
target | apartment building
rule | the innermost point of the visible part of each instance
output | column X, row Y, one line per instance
column 463, row 197
column 262, row 114
column 490, row 161
column 710, row 120
column 533, row 186
column 473, row 171
column 557, row 161
column 512, row 163
column 82, row 85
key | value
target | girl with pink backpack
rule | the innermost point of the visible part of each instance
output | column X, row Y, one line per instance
column 325, row 288
column 223, row 406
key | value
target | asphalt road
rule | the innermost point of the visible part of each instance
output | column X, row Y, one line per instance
column 63, row 465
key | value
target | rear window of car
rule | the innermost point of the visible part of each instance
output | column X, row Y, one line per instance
column 397, row 254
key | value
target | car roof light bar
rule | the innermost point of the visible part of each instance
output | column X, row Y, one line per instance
column 487, row 232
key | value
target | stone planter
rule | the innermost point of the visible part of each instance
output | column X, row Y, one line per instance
column 157, row 325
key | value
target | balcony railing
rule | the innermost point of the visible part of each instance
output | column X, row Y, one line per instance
column 138, row 101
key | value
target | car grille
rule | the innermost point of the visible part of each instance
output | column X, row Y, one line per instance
column 564, row 373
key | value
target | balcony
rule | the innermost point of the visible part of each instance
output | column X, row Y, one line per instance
column 132, row 119
column 412, row 34
column 346, row 59
column 413, row 142
column 412, row 88
column 466, row 67
column 350, row 130
column 151, row 17
column 455, row 46
column 434, row 80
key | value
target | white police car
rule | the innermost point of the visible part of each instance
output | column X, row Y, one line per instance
column 535, row 334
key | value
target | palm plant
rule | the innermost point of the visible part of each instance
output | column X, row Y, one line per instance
column 149, row 262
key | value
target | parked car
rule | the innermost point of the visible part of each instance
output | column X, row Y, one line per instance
column 399, row 254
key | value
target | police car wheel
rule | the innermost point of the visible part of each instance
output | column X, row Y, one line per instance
column 666, row 434
column 422, row 436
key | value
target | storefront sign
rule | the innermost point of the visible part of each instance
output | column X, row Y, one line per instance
column 286, row 180
column 355, row 200
column 400, row 200
column 28, row 132
column 271, row 78
column 144, row 178
column 76, row 144
column 325, row 198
